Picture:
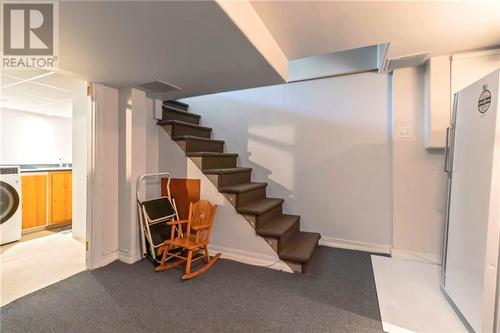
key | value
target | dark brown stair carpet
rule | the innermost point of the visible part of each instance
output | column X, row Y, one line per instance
column 180, row 112
column 301, row 247
column 182, row 123
column 176, row 104
column 260, row 206
column 195, row 138
column 176, row 114
column 178, row 128
column 278, row 226
column 196, row 144
column 225, row 171
column 213, row 160
column 210, row 154
column 241, row 188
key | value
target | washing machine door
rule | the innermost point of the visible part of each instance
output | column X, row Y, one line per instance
column 9, row 201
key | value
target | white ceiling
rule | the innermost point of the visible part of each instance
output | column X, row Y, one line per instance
column 40, row 91
column 308, row 28
column 192, row 45
column 196, row 46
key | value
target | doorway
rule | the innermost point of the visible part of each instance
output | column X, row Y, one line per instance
column 45, row 120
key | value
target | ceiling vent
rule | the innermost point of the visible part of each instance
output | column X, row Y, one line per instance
column 413, row 60
column 157, row 87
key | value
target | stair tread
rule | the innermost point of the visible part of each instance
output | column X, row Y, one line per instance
column 183, row 123
column 242, row 188
column 301, row 247
column 226, row 170
column 197, row 138
column 176, row 102
column 211, row 154
column 180, row 111
column 259, row 207
column 278, row 226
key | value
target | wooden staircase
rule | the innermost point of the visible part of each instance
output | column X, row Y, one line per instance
column 281, row 231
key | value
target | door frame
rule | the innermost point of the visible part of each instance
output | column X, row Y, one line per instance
column 102, row 192
column 89, row 253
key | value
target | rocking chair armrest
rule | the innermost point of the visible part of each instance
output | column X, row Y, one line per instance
column 201, row 227
column 177, row 222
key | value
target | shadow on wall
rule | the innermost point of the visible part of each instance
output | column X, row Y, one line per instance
column 322, row 149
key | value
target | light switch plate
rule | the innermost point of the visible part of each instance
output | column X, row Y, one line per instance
column 158, row 109
column 405, row 132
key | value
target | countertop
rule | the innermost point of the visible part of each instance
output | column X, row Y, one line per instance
column 26, row 168
column 45, row 169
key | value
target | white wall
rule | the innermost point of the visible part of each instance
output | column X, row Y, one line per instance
column 419, row 182
column 31, row 138
column 81, row 125
column 437, row 100
column 322, row 145
column 339, row 63
column 445, row 76
column 468, row 68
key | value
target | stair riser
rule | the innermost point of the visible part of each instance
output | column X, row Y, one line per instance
column 175, row 105
column 298, row 267
column 259, row 220
column 180, row 130
column 234, row 178
column 193, row 146
column 215, row 162
column 278, row 244
column 284, row 239
column 169, row 115
column 247, row 197
column 269, row 215
column 229, row 179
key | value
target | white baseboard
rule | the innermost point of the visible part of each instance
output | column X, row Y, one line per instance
column 429, row 258
column 129, row 257
column 250, row 258
column 352, row 245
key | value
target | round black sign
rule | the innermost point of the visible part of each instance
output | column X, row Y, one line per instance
column 484, row 101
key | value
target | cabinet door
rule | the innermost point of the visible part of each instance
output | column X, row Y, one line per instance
column 34, row 201
column 60, row 197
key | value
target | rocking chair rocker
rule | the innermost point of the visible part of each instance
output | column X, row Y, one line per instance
column 195, row 240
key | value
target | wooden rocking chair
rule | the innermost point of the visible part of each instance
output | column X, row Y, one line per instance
column 195, row 240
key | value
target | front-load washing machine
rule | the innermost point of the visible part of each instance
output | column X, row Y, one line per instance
column 10, row 204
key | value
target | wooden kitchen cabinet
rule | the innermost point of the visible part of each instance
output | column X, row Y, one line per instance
column 34, row 201
column 59, row 204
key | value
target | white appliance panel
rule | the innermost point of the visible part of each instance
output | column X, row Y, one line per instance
column 11, row 205
column 472, row 241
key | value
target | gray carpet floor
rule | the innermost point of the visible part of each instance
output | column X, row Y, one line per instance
column 337, row 294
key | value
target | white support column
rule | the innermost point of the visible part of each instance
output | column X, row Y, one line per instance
column 136, row 158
